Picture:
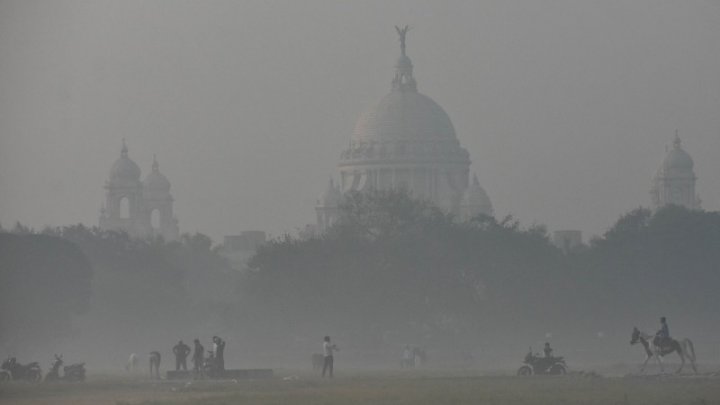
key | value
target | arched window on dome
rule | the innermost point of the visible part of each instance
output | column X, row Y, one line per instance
column 155, row 219
column 124, row 208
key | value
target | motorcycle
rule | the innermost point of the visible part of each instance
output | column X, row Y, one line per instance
column 536, row 364
column 30, row 372
column 210, row 367
column 73, row 373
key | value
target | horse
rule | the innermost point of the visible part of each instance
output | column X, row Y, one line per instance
column 684, row 349
column 155, row 364
column 132, row 363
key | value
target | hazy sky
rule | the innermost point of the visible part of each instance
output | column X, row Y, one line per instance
column 565, row 106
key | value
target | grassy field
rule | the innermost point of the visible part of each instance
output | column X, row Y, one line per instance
column 368, row 388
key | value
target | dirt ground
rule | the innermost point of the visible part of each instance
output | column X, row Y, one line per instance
column 376, row 388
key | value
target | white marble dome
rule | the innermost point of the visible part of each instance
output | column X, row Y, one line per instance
column 407, row 141
column 404, row 115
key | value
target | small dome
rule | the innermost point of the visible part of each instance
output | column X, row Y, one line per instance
column 331, row 197
column 124, row 168
column 155, row 180
column 404, row 116
column 677, row 158
column 476, row 199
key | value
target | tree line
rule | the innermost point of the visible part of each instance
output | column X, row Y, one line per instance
column 392, row 269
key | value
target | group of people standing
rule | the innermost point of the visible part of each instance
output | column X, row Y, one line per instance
column 412, row 357
column 215, row 361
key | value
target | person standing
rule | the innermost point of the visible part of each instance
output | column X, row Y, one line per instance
column 219, row 349
column 407, row 357
column 155, row 364
column 328, row 349
column 181, row 351
column 198, row 356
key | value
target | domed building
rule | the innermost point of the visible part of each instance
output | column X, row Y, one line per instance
column 407, row 141
column 674, row 182
column 140, row 208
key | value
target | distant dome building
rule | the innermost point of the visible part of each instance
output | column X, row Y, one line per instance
column 407, row 141
column 674, row 182
column 140, row 208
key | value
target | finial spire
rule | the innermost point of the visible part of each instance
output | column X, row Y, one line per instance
column 155, row 165
column 403, row 69
column 124, row 150
column 402, row 32
column 676, row 141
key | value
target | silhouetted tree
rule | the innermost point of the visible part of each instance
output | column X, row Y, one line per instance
column 43, row 281
column 396, row 266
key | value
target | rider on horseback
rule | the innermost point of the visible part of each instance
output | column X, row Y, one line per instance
column 548, row 350
column 662, row 337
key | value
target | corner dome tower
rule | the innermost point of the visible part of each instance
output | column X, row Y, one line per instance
column 141, row 209
column 156, row 181
column 124, row 169
column 674, row 182
column 677, row 158
column 407, row 141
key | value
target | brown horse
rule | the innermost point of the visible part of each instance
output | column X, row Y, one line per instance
column 684, row 348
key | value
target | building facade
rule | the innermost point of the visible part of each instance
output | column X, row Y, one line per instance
column 674, row 182
column 406, row 141
column 140, row 208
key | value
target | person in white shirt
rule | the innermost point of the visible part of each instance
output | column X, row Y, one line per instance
column 328, row 349
column 407, row 357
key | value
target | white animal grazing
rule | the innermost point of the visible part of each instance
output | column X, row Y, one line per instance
column 132, row 363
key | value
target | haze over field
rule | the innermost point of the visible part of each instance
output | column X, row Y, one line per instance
column 565, row 106
column 368, row 184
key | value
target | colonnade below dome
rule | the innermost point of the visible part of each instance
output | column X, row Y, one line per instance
column 444, row 186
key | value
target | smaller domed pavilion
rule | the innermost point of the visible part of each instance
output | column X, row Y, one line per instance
column 674, row 182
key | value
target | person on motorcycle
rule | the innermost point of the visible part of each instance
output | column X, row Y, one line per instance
column 548, row 350
column 662, row 337
column 181, row 351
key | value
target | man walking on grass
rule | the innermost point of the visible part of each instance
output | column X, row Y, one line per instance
column 328, row 349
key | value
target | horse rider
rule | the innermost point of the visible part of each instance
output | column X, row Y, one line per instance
column 198, row 356
column 548, row 350
column 181, row 351
column 662, row 337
